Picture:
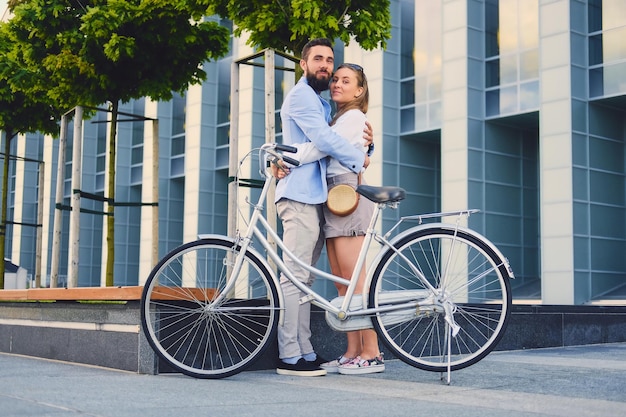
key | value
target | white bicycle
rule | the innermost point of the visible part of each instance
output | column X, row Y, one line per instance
column 439, row 294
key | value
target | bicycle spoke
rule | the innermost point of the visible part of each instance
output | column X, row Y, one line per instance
column 467, row 281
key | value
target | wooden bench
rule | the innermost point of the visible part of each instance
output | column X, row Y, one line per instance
column 132, row 293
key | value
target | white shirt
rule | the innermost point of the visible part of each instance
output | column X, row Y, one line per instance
column 350, row 127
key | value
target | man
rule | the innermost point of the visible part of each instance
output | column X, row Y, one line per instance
column 299, row 197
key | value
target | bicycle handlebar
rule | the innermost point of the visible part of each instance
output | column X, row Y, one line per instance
column 291, row 161
column 286, row 148
column 290, row 149
column 282, row 148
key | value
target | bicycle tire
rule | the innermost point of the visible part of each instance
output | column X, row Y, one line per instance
column 463, row 269
column 190, row 332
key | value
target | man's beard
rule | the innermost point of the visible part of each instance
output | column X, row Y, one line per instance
column 318, row 84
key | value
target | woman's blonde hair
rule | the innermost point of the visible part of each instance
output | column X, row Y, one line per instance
column 361, row 102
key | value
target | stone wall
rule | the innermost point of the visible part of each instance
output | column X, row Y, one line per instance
column 109, row 333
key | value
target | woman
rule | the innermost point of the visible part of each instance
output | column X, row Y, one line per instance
column 344, row 235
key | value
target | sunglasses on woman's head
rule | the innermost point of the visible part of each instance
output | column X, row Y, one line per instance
column 352, row 66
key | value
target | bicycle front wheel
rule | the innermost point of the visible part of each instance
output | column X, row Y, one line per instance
column 197, row 327
column 470, row 280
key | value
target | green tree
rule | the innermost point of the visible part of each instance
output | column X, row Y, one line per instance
column 19, row 113
column 287, row 25
column 90, row 52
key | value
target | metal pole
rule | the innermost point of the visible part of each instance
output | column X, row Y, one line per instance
column 72, row 273
column 58, row 212
column 233, row 160
column 270, row 135
column 39, row 239
column 155, row 192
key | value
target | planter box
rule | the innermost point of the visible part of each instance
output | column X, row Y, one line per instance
column 96, row 326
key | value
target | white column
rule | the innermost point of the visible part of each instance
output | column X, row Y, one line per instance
column 244, row 122
column 18, row 204
column 48, row 190
column 454, row 110
column 77, row 163
column 58, row 214
column 193, row 161
column 372, row 63
column 148, row 240
column 555, row 153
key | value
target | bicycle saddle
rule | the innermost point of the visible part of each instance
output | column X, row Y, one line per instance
column 381, row 194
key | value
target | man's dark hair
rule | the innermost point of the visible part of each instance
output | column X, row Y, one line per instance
column 315, row 42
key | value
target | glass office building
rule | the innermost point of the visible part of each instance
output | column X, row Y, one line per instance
column 513, row 107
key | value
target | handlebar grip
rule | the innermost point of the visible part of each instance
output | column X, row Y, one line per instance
column 286, row 148
column 291, row 160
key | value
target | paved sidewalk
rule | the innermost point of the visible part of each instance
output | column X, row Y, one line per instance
column 573, row 381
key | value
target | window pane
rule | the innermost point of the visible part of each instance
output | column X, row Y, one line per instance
column 492, row 68
column 407, row 120
column 178, row 114
column 596, row 82
column 178, row 145
column 421, row 117
column 137, row 136
column 508, row 33
column 434, row 115
column 177, row 167
column 613, row 45
column 99, row 182
column 100, row 163
column 595, row 50
column 529, row 95
column 493, row 103
column 434, row 86
column 614, row 81
column 223, row 91
column 407, row 93
column 508, row 69
column 407, row 42
column 222, row 135
column 491, row 30
column 529, row 24
column 421, row 89
column 529, row 65
column 221, row 158
column 508, row 99
column 137, row 155
column 595, row 15
column 136, row 174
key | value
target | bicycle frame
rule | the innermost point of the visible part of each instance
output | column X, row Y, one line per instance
column 342, row 312
column 253, row 230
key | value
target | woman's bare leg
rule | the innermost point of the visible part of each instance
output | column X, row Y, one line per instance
column 345, row 252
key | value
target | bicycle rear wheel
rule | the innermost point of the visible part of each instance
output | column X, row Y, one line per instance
column 193, row 325
column 466, row 273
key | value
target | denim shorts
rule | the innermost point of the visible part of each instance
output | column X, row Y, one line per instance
column 354, row 224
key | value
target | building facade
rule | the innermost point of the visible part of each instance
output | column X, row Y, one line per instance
column 513, row 107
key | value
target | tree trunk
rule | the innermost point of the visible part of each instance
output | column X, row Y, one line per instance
column 5, row 195
column 110, row 218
